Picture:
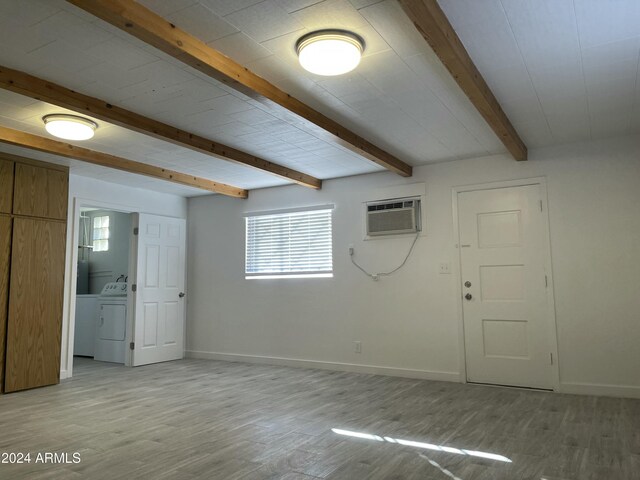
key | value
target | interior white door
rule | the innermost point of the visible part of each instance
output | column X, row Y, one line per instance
column 159, row 307
column 503, row 250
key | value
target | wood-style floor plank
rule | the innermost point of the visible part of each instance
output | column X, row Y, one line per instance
column 198, row 419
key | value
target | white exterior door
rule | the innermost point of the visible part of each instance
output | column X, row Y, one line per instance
column 504, row 250
column 159, row 305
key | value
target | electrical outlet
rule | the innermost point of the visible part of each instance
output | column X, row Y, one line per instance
column 445, row 268
column 357, row 346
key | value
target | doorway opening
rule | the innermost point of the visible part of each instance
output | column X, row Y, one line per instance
column 127, row 295
column 102, row 314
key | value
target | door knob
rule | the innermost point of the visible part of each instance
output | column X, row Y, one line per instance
column 467, row 284
column 181, row 294
column 468, row 296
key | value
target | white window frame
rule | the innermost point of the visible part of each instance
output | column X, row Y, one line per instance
column 104, row 232
column 280, row 271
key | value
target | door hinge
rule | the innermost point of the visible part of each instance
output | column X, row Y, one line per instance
column 134, row 288
column 540, row 205
column 546, row 281
column 136, row 230
column 132, row 346
column 551, row 358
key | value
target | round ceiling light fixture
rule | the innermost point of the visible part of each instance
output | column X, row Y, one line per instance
column 69, row 127
column 330, row 52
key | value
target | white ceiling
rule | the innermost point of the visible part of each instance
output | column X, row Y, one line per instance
column 23, row 113
column 562, row 70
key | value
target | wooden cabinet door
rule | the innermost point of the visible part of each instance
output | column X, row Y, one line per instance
column 6, row 185
column 5, row 257
column 57, row 194
column 40, row 192
column 35, row 304
column 30, row 191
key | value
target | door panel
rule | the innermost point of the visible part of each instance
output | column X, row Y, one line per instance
column 35, row 304
column 160, row 278
column 111, row 330
column 503, row 251
column 150, row 324
column 6, row 186
column 40, row 192
column 113, row 319
column 30, row 191
column 5, row 258
column 57, row 194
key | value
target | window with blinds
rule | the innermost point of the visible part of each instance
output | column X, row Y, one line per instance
column 290, row 244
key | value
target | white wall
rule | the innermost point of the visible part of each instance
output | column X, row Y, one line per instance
column 89, row 192
column 408, row 323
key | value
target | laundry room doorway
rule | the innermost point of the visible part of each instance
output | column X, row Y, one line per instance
column 102, row 285
column 128, row 305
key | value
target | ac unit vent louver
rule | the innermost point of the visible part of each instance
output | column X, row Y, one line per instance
column 393, row 217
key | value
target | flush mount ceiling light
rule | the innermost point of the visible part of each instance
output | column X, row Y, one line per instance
column 69, row 127
column 330, row 52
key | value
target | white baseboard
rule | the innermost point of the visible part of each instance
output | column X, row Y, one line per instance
column 341, row 367
column 626, row 391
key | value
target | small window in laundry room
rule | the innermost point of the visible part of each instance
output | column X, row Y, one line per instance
column 101, row 233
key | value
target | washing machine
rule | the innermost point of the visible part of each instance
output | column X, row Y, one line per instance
column 111, row 327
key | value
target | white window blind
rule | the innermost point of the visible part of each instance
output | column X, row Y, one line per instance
column 101, row 234
column 296, row 243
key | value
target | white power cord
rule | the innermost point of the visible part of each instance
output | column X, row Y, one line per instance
column 376, row 276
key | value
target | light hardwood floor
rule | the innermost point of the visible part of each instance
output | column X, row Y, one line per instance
column 197, row 419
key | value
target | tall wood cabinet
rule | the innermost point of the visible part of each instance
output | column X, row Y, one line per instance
column 33, row 212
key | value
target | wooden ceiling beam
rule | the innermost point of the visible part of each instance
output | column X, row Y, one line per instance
column 39, row 89
column 47, row 145
column 154, row 30
column 433, row 25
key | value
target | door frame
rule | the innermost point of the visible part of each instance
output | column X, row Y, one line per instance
column 78, row 204
column 457, row 270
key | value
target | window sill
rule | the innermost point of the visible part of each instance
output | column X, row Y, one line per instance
column 297, row 275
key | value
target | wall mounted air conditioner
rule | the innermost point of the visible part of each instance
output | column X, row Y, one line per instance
column 393, row 217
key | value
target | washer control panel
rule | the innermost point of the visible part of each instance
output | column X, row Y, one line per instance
column 114, row 289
